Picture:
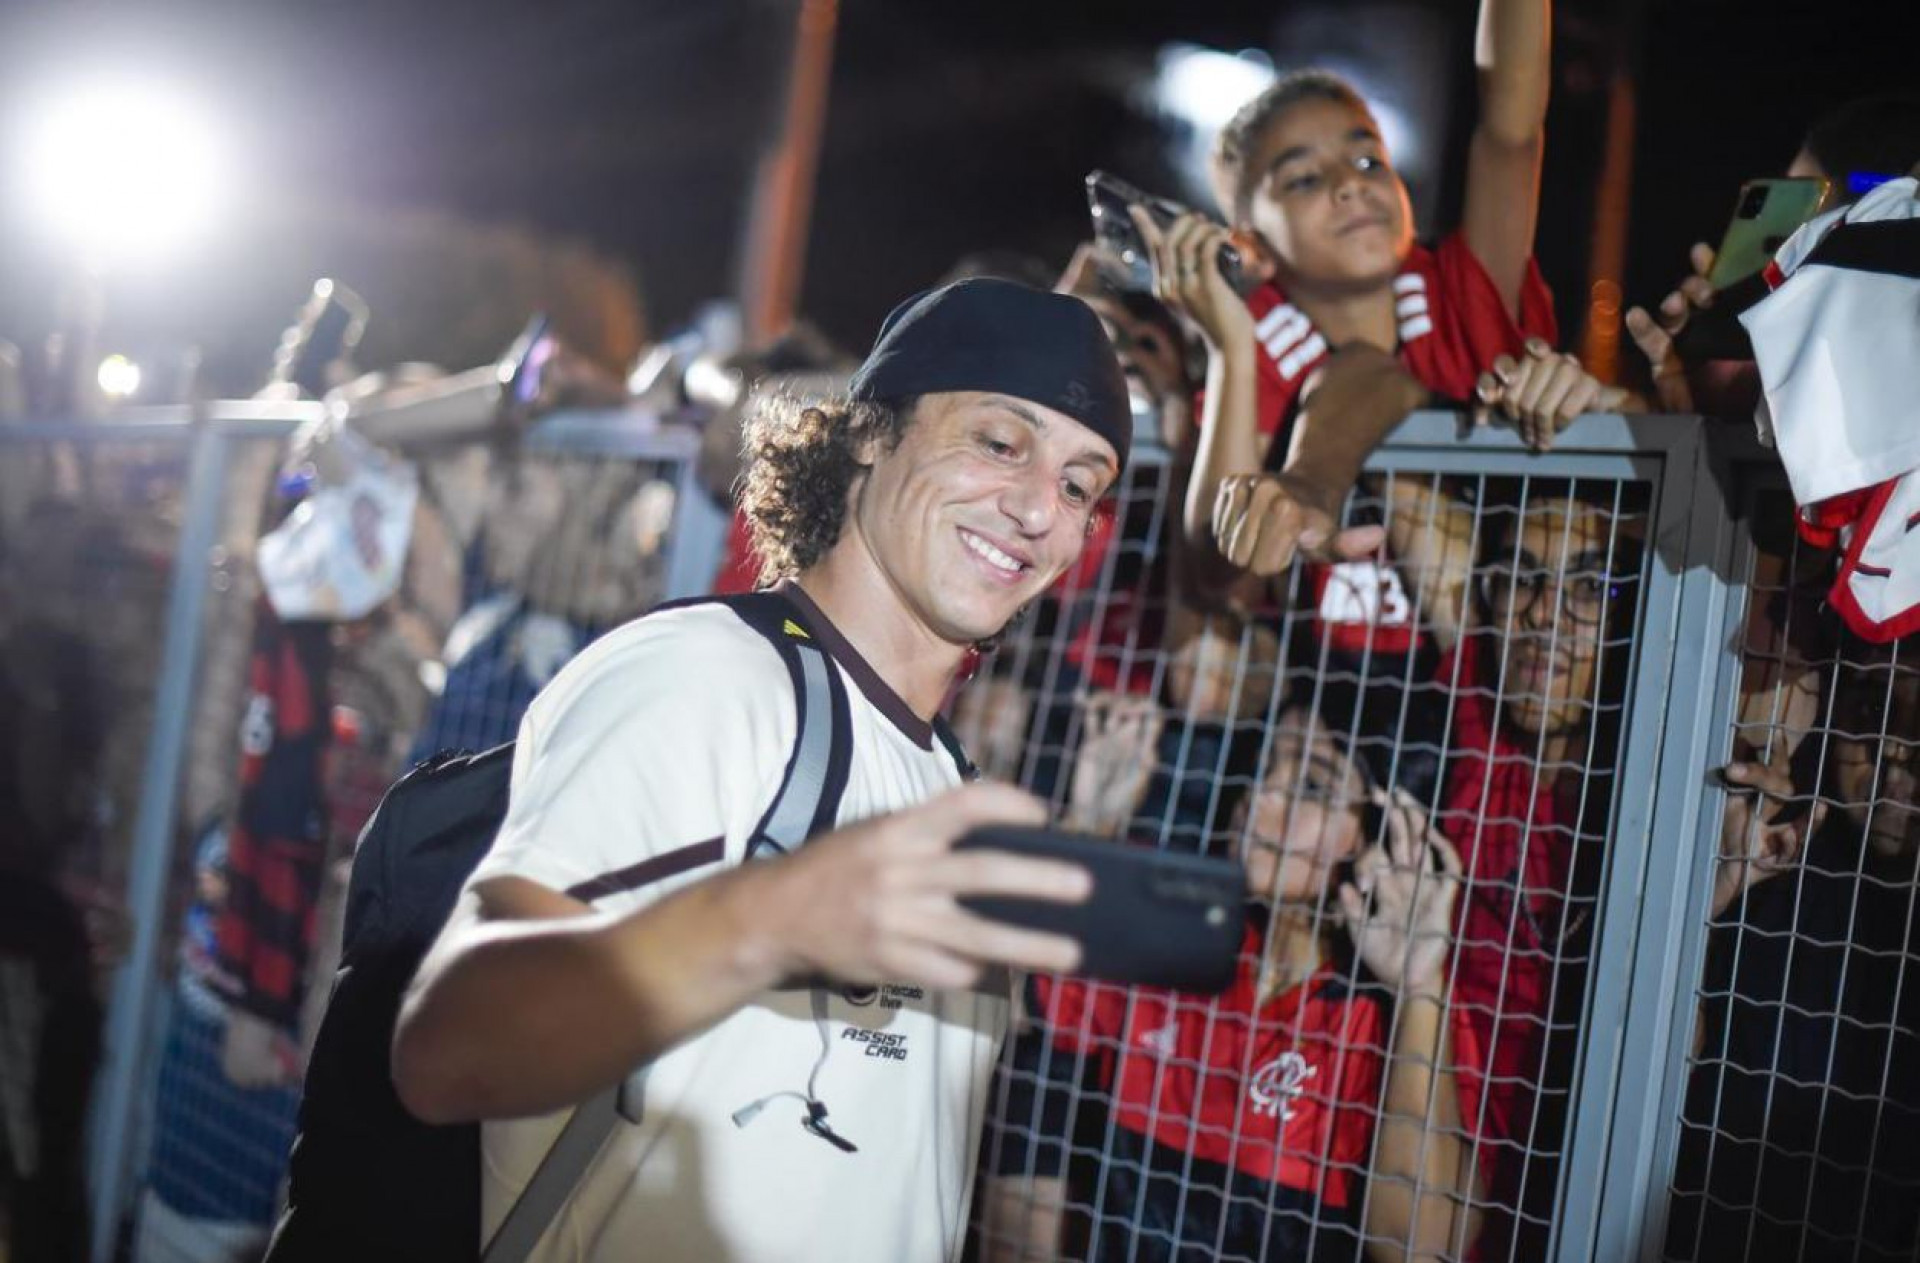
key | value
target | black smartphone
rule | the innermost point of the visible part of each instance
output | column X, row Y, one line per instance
column 1155, row 918
column 1128, row 263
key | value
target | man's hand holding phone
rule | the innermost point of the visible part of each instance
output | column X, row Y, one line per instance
column 885, row 900
column 1698, row 321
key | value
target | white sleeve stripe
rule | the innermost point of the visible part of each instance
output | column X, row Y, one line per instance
column 1294, row 364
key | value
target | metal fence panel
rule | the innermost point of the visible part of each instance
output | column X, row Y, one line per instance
column 1066, row 711
column 1786, row 1119
column 1117, row 688
column 592, row 520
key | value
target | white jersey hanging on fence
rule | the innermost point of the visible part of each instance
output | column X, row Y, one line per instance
column 1838, row 346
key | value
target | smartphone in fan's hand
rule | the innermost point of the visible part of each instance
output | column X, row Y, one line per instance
column 1128, row 264
column 1155, row 918
column 523, row 367
column 1766, row 214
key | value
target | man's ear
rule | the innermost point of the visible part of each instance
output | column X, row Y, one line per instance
column 1257, row 261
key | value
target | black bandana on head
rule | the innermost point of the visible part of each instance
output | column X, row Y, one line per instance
column 998, row 336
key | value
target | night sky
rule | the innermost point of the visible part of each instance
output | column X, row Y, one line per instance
column 952, row 127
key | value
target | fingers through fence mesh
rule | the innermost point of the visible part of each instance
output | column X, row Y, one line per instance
column 1415, row 757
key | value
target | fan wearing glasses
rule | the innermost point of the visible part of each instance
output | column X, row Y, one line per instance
column 1530, row 595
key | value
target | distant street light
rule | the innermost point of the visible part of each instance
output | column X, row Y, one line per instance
column 123, row 172
column 1203, row 88
column 119, row 378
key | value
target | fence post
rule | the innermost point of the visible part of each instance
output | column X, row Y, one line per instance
column 129, row 1017
column 698, row 540
column 1684, row 917
column 1610, row 1180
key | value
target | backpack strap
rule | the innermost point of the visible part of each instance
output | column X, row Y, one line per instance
column 573, row 1151
column 815, row 779
column 807, row 802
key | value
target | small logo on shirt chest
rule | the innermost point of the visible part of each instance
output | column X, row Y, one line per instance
column 1276, row 1085
column 1162, row 1040
column 890, row 996
column 880, row 1045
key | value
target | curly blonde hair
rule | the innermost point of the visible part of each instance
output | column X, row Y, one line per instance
column 802, row 456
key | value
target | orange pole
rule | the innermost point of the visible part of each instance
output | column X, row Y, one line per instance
column 1612, row 202
column 775, row 256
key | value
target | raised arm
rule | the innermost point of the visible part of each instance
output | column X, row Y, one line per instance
column 1421, row 1204
column 1261, row 522
column 638, row 984
column 1119, row 746
column 1513, row 56
column 1186, row 279
column 1399, row 909
column 530, row 1002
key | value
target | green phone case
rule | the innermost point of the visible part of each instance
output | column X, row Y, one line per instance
column 1767, row 214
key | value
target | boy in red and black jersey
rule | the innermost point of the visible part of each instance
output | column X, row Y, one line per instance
column 1227, row 1121
column 1322, row 223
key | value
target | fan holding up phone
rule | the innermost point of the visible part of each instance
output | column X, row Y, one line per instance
column 1126, row 258
column 1845, row 154
column 1766, row 214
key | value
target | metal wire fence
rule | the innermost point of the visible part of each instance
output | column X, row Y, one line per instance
column 1797, row 1126
column 1491, row 668
column 134, row 612
column 1572, row 1048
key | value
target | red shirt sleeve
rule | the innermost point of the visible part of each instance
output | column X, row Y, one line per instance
column 1470, row 322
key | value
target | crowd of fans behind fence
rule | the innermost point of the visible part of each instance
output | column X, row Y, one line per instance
column 1400, row 700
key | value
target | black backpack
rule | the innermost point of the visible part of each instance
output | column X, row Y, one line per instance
column 369, row 1181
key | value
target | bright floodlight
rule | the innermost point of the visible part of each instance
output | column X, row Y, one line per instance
column 119, row 377
column 123, row 172
column 1204, row 88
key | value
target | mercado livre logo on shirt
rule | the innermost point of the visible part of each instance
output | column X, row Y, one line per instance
column 889, row 996
column 880, row 1044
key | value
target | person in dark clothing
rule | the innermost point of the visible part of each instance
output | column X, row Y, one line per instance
column 1798, row 1139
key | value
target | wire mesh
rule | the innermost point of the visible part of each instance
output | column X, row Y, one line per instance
column 86, row 534
column 1331, row 1101
column 1797, row 1130
column 519, row 558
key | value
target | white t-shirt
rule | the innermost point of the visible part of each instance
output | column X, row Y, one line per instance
column 672, row 733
